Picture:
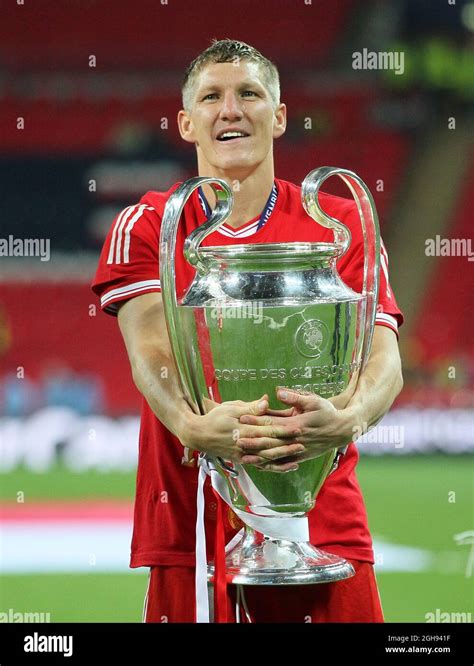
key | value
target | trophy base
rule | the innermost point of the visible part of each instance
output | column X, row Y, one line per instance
column 259, row 560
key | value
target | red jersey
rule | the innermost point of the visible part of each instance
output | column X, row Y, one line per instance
column 165, row 503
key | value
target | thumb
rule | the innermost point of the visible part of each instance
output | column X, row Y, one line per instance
column 305, row 403
column 209, row 404
column 240, row 408
column 259, row 406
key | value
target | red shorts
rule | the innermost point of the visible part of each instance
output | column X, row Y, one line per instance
column 170, row 598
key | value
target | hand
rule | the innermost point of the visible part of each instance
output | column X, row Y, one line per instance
column 219, row 432
column 322, row 425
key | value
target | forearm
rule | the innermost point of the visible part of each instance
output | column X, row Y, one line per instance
column 143, row 327
column 155, row 376
column 379, row 384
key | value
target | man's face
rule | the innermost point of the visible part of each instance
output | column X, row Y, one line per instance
column 233, row 120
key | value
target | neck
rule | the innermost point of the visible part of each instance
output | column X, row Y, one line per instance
column 250, row 196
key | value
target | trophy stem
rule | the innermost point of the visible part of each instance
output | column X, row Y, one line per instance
column 260, row 560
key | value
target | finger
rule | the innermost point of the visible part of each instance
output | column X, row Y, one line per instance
column 257, row 407
column 280, row 412
column 307, row 403
column 265, row 420
column 282, row 454
column 259, row 445
column 272, row 434
column 252, row 460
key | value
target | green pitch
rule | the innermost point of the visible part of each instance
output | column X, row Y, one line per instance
column 420, row 502
column 77, row 597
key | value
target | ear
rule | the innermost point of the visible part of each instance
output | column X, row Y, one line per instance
column 279, row 121
column 185, row 126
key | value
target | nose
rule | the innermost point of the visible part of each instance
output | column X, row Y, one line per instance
column 231, row 108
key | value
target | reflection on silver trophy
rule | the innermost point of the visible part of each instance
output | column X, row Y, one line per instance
column 261, row 316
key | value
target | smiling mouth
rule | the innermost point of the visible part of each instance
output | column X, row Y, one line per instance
column 231, row 137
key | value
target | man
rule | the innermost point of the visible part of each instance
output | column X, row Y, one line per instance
column 232, row 113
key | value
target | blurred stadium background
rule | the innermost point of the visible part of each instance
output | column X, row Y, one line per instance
column 96, row 83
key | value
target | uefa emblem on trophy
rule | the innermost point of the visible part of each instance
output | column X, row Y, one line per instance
column 314, row 335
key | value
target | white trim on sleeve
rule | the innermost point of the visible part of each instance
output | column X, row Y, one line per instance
column 384, row 318
column 129, row 290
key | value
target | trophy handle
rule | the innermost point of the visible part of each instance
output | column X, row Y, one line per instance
column 169, row 228
column 342, row 236
column 223, row 209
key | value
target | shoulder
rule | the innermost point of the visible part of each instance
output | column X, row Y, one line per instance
column 157, row 200
column 135, row 228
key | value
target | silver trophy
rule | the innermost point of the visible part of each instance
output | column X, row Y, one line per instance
column 261, row 316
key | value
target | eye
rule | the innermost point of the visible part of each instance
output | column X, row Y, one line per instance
column 249, row 92
column 209, row 96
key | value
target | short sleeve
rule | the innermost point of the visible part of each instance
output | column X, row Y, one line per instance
column 351, row 270
column 128, row 264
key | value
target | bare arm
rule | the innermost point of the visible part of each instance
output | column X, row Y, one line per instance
column 379, row 384
column 143, row 327
column 327, row 424
column 142, row 324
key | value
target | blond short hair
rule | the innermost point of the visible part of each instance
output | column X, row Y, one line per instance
column 230, row 50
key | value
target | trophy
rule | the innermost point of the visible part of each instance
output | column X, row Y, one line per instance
column 261, row 316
